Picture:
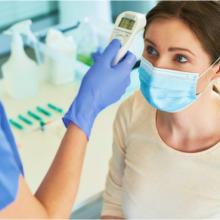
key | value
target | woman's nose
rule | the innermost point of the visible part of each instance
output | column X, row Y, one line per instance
column 160, row 62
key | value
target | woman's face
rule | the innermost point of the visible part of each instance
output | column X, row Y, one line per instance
column 170, row 44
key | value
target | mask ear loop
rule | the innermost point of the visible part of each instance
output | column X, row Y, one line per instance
column 202, row 74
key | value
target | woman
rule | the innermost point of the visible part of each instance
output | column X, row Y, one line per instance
column 166, row 148
column 102, row 85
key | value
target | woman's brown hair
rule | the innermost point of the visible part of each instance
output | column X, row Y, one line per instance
column 203, row 18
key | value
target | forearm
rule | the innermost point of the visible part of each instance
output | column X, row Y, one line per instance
column 101, row 86
column 58, row 190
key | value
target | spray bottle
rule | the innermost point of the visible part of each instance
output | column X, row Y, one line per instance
column 20, row 72
column 24, row 28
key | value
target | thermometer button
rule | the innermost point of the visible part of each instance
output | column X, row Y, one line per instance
column 122, row 38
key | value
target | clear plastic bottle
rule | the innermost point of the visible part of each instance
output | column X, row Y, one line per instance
column 62, row 65
column 19, row 71
column 86, row 40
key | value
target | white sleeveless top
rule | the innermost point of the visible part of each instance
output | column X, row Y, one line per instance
column 149, row 179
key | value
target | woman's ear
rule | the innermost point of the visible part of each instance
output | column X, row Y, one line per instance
column 216, row 71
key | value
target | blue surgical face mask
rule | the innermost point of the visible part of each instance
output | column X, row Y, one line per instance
column 168, row 90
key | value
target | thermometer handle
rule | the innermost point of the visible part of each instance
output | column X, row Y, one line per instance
column 123, row 50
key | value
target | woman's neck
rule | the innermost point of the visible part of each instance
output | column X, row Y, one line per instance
column 197, row 122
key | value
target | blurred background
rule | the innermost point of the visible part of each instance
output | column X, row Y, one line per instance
column 47, row 14
column 45, row 49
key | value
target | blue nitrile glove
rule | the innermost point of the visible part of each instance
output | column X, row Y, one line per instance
column 102, row 85
column 96, row 55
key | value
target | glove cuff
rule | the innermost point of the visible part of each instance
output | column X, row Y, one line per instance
column 80, row 115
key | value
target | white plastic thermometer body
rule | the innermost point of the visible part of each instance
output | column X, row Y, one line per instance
column 127, row 25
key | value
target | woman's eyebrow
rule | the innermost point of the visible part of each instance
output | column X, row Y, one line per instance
column 171, row 48
column 149, row 41
column 179, row 48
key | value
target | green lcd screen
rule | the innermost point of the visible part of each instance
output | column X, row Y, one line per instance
column 126, row 23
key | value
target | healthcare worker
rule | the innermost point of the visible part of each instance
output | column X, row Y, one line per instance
column 103, row 85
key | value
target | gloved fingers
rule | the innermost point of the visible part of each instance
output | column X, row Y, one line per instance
column 127, row 62
column 111, row 50
column 128, row 81
column 96, row 55
column 126, row 84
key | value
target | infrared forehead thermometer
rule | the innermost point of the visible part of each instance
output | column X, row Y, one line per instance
column 127, row 25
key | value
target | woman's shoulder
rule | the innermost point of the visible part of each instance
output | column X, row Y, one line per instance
column 135, row 107
column 136, row 102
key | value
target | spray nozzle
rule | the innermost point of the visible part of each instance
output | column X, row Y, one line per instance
column 24, row 28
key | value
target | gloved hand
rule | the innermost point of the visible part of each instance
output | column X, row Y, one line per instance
column 96, row 55
column 101, row 86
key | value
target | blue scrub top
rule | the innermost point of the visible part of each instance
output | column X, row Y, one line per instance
column 10, row 163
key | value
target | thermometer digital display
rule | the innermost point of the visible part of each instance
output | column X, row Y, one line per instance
column 127, row 25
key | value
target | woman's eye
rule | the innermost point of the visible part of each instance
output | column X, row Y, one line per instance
column 181, row 59
column 151, row 51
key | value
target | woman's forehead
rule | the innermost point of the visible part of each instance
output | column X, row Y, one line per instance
column 172, row 32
